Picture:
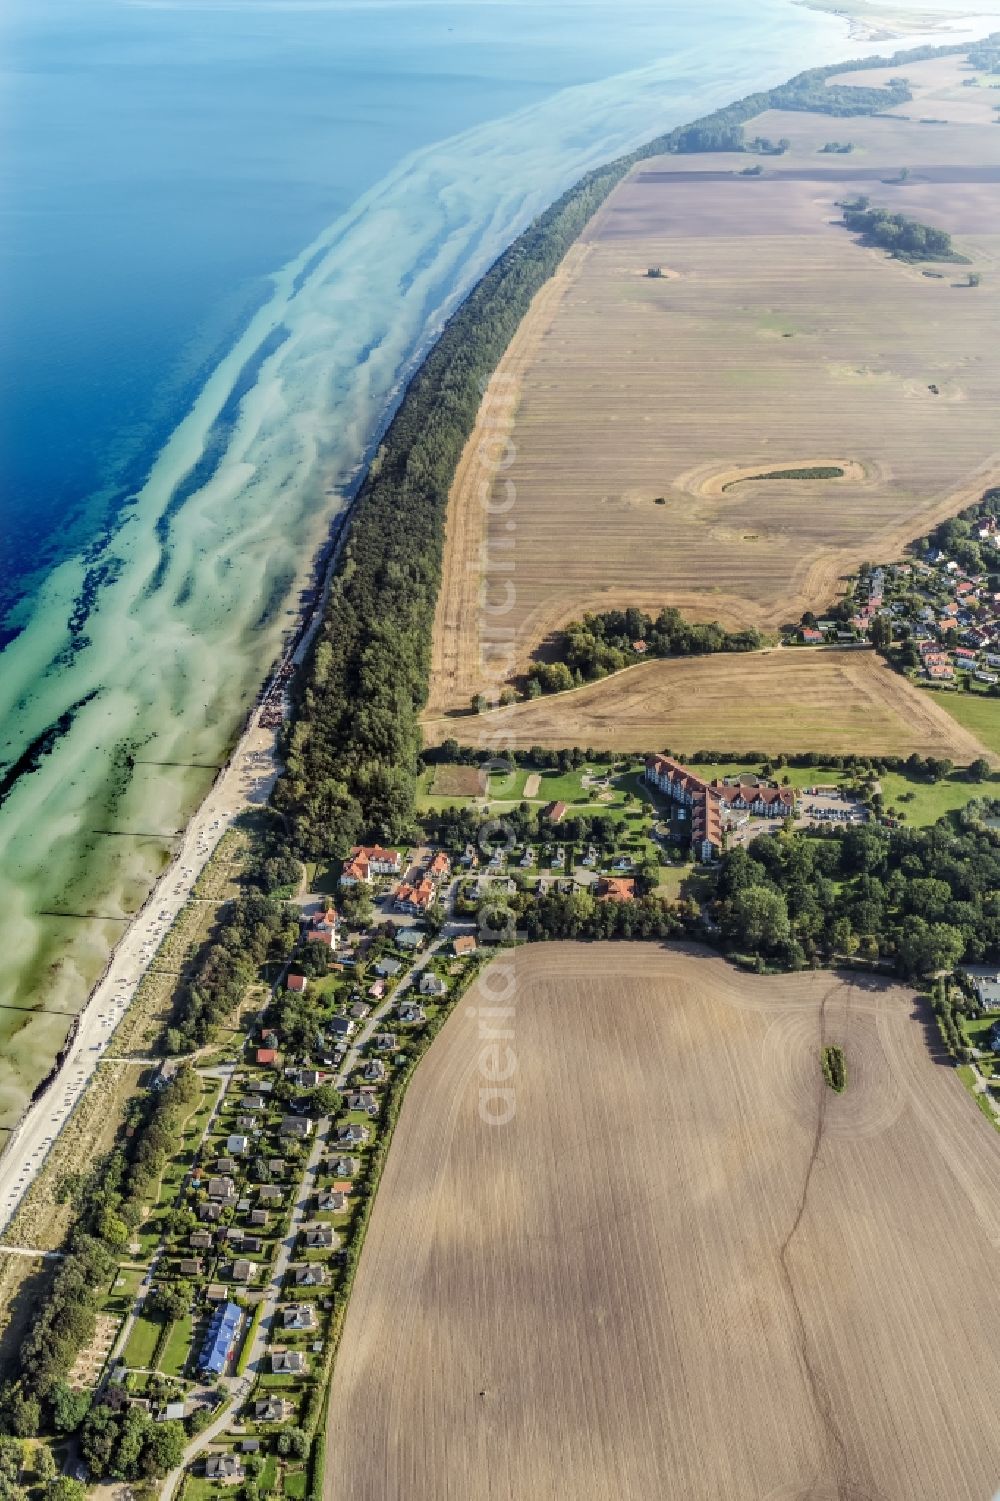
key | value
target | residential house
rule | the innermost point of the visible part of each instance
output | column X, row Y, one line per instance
column 297, row 1127
column 416, row 898
column 359, row 1010
column 237, row 1145
column 220, row 1339
column 410, row 939
column 308, row 1078
column 296, row 983
column 271, row 1410
column 352, row 1135
column 616, row 889
column 313, row 1275
column 364, row 1099
column 374, row 1071
column 555, row 812
column 439, row 867
column 320, row 1237
column 299, row 1316
column 209, row 1212
column 344, row 1167
column 323, row 928
column 244, row 1270
column 288, row 1362
column 201, row 1240
column 340, row 1026
column 385, row 1042
column 225, row 1165
column 330, row 1201
column 366, row 861
column 811, row 636
column 988, row 990
column 221, row 1188
column 388, row 969
column 266, row 1058
column 431, row 984
column 269, row 1193
column 410, row 1013
column 227, row 1468
column 191, row 1266
column 260, row 1218
column 464, row 945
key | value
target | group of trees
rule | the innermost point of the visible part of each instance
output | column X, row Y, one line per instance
column 110, row 1204
column 581, row 915
column 122, row 1442
column 905, row 238
column 922, row 898
column 252, row 927
column 598, row 644
column 46, row 1483
column 352, row 750
column 958, row 538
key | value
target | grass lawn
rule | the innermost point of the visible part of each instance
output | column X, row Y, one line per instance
column 122, row 1293
column 295, row 1483
column 143, row 1340
column 926, row 802
column 177, row 1348
column 975, row 712
column 978, row 1030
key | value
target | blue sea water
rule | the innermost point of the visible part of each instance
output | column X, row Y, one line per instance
column 227, row 229
column 160, row 159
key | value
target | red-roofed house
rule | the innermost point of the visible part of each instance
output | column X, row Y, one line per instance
column 416, row 899
column 811, row 636
column 367, row 861
column 440, row 867
column 683, row 787
column 616, row 889
column 555, row 812
column 323, row 928
column 296, row 983
column 266, row 1057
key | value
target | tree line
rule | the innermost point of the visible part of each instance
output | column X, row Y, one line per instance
column 109, row 1208
column 351, row 750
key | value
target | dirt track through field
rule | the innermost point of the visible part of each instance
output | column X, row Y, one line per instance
column 794, row 699
column 684, row 1267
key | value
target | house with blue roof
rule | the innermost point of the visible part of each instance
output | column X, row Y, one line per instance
column 220, row 1339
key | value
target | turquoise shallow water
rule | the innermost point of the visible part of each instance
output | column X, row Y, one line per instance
column 228, row 230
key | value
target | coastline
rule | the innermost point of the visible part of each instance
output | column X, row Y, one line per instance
column 187, row 601
column 143, row 925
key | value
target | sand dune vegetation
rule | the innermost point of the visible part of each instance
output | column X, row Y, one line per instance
column 686, row 1266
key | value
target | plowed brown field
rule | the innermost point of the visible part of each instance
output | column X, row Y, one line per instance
column 685, row 1268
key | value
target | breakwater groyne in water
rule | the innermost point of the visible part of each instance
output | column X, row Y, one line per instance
column 60, row 1059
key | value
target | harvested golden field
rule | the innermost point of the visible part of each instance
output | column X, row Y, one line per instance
column 774, row 341
column 842, row 702
column 685, row 1267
